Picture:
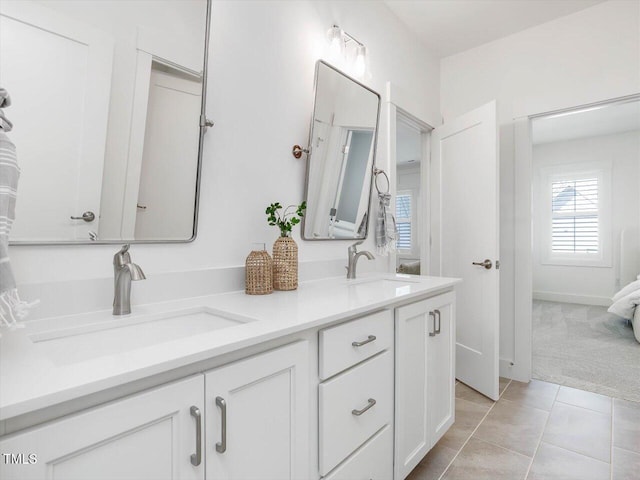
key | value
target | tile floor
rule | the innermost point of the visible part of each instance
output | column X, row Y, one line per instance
column 537, row 431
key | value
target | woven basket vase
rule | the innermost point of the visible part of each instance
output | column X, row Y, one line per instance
column 285, row 264
column 258, row 273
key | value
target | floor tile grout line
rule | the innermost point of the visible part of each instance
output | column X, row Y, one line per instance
column 613, row 406
column 584, row 408
column 520, row 404
column 633, row 452
column 535, row 452
column 474, row 431
column 502, row 447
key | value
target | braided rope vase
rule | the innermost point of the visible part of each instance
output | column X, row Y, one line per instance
column 285, row 264
column 258, row 273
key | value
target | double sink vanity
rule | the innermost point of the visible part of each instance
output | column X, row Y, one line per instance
column 343, row 378
column 340, row 379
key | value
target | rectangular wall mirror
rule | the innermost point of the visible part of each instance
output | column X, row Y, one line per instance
column 108, row 117
column 342, row 147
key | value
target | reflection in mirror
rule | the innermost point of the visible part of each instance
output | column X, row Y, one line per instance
column 409, row 174
column 106, row 103
column 342, row 151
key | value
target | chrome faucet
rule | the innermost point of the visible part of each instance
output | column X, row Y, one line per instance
column 123, row 272
column 354, row 255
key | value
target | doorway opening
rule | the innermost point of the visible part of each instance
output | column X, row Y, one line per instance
column 409, row 211
column 410, row 153
column 585, row 185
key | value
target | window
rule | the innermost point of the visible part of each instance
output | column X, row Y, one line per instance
column 403, row 221
column 575, row 216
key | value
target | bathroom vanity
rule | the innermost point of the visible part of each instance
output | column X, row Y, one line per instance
column 340, row 379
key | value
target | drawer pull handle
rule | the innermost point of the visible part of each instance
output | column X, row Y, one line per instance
column 371, row 403
column 196, row 458
column 433, row 315
column 369, row 339
column 437, row 312
column 221, row 446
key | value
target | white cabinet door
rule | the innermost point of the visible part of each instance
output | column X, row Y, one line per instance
column 425, row 380
column 411, row 416
column 257, row 416
column 441, row 366
column 151, row 435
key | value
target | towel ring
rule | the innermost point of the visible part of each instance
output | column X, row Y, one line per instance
column 376, row 172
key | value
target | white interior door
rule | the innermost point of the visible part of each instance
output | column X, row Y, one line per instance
column 167, row 191
column 58, row 73
column 466, row 230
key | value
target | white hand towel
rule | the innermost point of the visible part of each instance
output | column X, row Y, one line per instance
column 12, row 309
column 386, row 229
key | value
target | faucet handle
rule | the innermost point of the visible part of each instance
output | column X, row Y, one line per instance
column 122, row 256
column 125, row 248
column 354, row 248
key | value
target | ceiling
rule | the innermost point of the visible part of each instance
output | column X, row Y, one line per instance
column 451, row 26
column 590, row 122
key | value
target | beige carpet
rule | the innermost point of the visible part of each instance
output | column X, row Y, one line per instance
column 585, row 347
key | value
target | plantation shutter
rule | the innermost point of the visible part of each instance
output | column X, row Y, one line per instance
column 403, row 221
column 574, row 216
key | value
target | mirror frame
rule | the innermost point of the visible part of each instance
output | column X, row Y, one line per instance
column 203, row 130
column 310, row 154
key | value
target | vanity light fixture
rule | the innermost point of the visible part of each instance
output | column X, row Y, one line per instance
column 336, row 42
column 346, row 51
column 360, row 66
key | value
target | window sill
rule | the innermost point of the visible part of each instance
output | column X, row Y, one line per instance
column 577, row 262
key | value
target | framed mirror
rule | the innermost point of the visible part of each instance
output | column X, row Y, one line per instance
column 342, row 148
column 107, row 107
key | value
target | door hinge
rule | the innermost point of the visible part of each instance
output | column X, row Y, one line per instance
column 205, row 122
column 497, row 264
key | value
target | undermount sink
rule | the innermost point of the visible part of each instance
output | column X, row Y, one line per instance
column 124, row 334
column 390, row 281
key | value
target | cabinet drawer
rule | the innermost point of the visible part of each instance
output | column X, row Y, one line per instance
column 341, row 429
column 337, row 349
column 374, row 461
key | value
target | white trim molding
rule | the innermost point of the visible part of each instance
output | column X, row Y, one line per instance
column 572, row 298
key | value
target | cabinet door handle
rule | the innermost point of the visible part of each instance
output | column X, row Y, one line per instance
column 221, row 446
column 196, row 458
column 433, row 315
column 369, row 339
column 371, row 403
column 437, row 330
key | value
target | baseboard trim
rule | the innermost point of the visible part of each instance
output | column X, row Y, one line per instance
column 571, row 298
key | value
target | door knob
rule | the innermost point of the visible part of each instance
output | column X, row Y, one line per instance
column 486, row 264
column 86, row 216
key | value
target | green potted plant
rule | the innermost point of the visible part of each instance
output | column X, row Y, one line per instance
column 285, row 249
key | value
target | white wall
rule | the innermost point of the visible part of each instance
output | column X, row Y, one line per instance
column 585, row 57
column 595, row 285
column 261, row 63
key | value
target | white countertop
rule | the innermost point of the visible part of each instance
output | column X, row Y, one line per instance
column 30, row 379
